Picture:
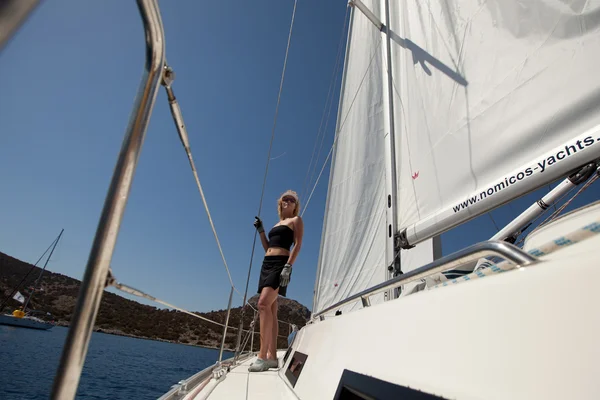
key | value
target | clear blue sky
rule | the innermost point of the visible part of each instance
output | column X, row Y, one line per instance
column 68, row 80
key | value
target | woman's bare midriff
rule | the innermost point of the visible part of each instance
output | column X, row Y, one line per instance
column 277, row 251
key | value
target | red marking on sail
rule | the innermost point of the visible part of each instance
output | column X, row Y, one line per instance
column 415, row 175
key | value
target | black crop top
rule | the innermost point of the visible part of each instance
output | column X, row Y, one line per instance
column 281, row 236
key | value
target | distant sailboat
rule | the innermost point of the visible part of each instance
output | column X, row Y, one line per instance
column 20, row 317
column 22, row 320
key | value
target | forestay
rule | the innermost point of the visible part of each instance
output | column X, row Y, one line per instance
column 493, row 99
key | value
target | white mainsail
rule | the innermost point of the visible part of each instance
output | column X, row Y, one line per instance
column 355, row 230
column 493, row 100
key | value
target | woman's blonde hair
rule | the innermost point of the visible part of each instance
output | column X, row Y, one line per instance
column 294, row 195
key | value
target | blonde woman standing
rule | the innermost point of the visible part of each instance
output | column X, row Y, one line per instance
column 281, row 250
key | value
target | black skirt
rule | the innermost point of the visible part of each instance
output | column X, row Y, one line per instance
column 270, row 272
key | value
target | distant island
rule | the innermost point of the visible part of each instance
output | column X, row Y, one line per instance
column 120, row 316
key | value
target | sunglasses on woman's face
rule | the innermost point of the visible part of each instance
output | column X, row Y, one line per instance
column 289, row 200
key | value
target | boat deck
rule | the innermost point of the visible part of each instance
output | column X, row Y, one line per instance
column 241, row 384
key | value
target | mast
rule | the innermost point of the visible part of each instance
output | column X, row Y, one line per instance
column 392, row 254
column 37, row 281
column 358, row 242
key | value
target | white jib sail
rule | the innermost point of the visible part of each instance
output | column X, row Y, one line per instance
column 353, row 245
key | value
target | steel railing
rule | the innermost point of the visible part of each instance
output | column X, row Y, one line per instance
column 471, row 253
column 184, row 387
column 96, row 273
column 13, row 14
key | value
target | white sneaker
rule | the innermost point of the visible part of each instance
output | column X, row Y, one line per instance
column 259, row 365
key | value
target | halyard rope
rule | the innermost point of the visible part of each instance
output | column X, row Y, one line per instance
column 262, row 194
column 335, row 139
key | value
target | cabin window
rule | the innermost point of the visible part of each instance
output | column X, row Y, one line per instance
column 295, row 368
column 289, row 350
column 291, row 340
column 287, row 354
column 354, row 386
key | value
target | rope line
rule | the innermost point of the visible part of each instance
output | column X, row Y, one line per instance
column 262, row 194
column 326, row 110
column 185, row 141
column 520, row 241
column 318, row 178
column 287, row 49
column 493, row 221
column 337, row 135
column 188, row 152
column 212, row 225
column 136, row 292
column 250, row 332
column 555, row 213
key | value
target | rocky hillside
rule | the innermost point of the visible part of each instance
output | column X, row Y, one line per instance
column 121, row 316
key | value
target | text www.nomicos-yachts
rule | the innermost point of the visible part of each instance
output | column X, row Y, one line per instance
column 540, row 167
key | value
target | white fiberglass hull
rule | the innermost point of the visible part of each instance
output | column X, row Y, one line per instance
column 25, row 322
column 525, row 334
column 529, row 333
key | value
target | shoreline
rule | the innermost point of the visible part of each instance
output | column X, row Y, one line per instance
column 116, row 332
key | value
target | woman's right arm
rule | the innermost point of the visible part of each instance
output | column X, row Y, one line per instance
column 264, row 241
column 261, row 232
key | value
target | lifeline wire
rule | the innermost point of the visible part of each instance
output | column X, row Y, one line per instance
column 136, row 292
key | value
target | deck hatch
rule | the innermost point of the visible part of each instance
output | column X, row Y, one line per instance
column 355, row 386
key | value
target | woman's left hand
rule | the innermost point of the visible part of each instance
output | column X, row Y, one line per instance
column 286, row 274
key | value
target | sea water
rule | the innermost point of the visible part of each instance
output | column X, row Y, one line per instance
column 116, row 367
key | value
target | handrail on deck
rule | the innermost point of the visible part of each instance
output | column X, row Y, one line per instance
column 503, row 249
column 184, row 387
column 96, row 273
